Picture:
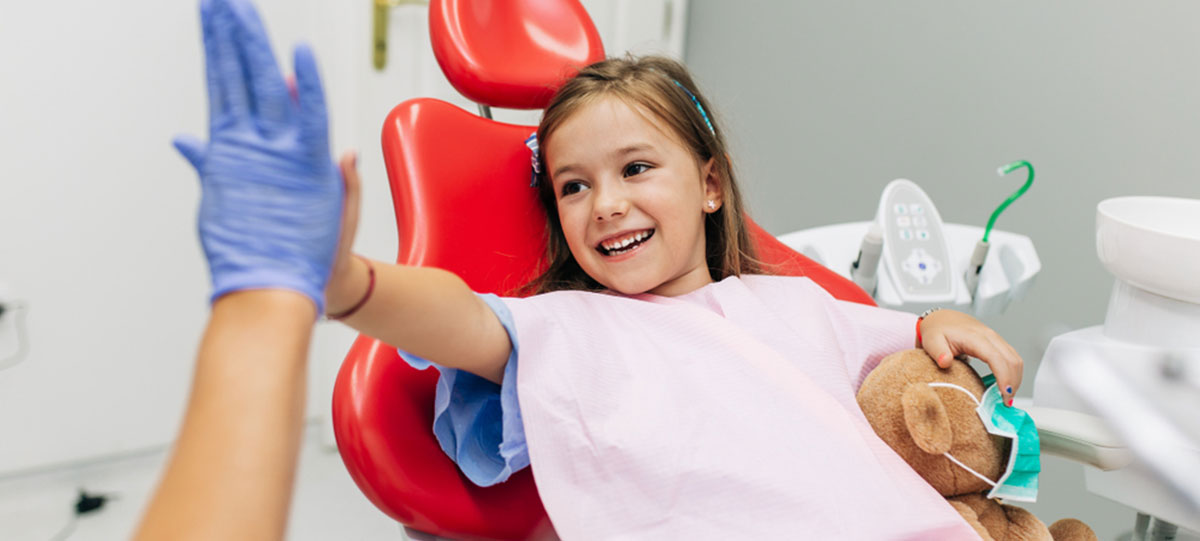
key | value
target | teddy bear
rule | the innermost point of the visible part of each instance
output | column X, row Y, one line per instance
column 921, row 422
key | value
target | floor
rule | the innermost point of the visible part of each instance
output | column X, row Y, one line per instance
column 327, row 505
column 39, row 506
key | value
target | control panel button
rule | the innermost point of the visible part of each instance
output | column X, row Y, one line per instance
column 919, row 221
column 922, row 266
column 916, row 208
column 903, row 221
column 906, row 234
column 922, row 234
column 900, row 208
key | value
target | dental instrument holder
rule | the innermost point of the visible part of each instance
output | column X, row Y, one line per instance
column 865, row 269
column 1148, row 341
column 976, row 265
column 945, row 249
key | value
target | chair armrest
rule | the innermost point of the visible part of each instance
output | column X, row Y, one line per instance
column 1079, row 437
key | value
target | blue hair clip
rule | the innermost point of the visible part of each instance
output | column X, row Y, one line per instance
column 698, row 106
column 532, row 143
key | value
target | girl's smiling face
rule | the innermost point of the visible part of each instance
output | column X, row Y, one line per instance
column 631, row 199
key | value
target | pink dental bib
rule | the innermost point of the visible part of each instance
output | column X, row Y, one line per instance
column 725, row 413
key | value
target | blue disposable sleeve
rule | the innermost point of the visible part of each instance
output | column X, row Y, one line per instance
column 477, row 422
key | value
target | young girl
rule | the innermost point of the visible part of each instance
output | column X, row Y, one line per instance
column 665, row 389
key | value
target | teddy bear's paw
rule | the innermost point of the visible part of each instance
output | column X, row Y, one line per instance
column 1023, row 526
column 1069, row 529
column 969, row 515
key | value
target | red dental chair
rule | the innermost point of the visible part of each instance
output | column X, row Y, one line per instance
column 460, row 187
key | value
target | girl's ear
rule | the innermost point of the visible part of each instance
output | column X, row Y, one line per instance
column 712, row 186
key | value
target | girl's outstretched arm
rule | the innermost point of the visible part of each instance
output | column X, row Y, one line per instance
column 428, row 312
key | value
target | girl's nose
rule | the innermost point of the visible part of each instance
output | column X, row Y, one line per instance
column 610, row 203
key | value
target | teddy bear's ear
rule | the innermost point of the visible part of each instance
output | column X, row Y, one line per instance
column 926, row 419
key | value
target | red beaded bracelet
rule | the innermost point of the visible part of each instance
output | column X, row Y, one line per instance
column 920, row 319
column 367, row 295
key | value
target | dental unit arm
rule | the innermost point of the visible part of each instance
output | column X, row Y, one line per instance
column 1136, row 374
column 909, row 259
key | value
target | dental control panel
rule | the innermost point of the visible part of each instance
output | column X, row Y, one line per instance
column 908, row 259
column 914, row 243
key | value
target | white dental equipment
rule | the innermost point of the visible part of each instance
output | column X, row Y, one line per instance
column 909, row 259
column 1139, row 372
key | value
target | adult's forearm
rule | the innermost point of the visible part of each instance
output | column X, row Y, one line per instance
column 231, row 472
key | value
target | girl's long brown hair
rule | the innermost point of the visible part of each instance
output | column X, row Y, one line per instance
column 648, row 83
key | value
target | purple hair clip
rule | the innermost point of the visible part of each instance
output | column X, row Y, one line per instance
column 532, row 143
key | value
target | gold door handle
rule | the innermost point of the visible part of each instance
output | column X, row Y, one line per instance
column 380, row 24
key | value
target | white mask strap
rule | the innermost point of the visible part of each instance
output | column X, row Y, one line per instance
column 968, row 468
column 953, row 386
column 948, row 455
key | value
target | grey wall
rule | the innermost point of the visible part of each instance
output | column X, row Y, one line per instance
column 826, row 101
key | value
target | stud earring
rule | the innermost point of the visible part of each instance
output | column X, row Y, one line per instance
column 712, row 205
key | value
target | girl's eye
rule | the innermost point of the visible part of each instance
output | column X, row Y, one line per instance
column 636, row 169
column 573, row 187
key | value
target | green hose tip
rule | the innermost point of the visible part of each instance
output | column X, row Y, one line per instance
column 1020, row 191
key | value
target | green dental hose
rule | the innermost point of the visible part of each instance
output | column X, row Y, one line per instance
column 1015, row 195
column 982, row 247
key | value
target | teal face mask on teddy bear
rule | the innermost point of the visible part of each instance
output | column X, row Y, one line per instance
column 1019, row 480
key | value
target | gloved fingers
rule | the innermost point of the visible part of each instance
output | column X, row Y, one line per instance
column 269, row 101
column 311, row 96
column 192, row 148
column 228, row 98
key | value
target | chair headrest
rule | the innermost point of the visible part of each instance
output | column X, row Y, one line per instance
column 512, row 54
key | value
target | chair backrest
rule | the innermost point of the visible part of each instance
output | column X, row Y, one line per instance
column 512, row 54
column 460, row 188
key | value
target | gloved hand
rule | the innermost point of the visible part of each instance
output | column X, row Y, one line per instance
column 272, row 199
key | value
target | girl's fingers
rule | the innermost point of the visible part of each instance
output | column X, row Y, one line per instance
column 352, row 201
column 1006, row 370
column 1014, row 367
column 936, row 345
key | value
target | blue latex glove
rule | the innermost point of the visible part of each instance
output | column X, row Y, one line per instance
column 271, row 199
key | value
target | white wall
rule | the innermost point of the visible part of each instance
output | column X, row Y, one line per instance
column 826, row 101
column 97, row 219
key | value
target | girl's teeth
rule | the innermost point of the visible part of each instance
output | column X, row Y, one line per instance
column 620, row 246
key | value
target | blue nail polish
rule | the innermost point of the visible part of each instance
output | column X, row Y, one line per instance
column 1008, row 390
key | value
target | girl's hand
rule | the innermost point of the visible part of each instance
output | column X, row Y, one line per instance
column 947, row 334
column 344, row 287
